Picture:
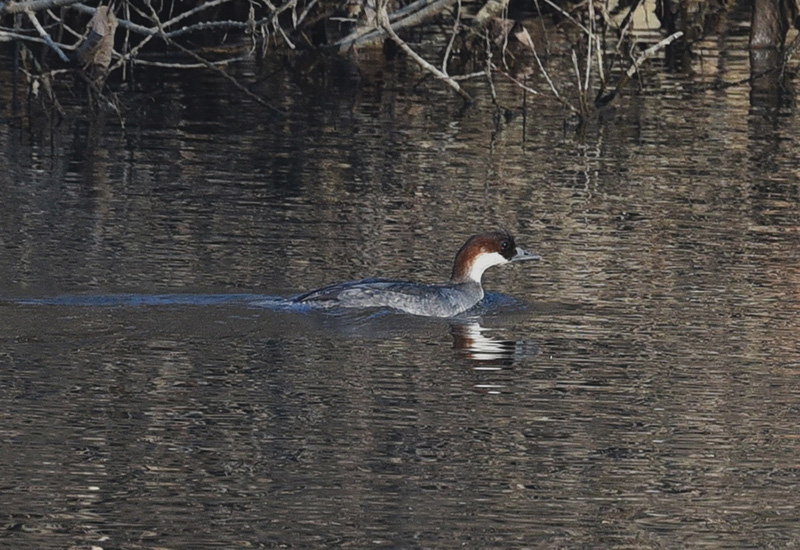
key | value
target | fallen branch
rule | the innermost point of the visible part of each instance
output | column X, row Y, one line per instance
column 409, row 16
column 383, row 21
column 33, row 6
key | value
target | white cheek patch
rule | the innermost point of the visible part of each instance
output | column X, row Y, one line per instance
column 483, row 262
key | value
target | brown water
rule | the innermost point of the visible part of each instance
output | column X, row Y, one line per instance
column 646, row 397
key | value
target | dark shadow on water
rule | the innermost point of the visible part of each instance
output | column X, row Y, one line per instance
column 477, row 343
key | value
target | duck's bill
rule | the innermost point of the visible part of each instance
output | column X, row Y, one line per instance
column 523, row 254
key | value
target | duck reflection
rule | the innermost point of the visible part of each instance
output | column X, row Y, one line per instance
column 474, row 342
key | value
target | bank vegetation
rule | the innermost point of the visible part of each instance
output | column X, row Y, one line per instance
column 531, row 43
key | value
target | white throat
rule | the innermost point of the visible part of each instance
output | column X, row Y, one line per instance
column 483, row 262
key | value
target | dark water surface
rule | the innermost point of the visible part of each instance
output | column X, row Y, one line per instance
column 646, row 396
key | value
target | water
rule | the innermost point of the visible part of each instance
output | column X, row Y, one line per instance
column 637, row 389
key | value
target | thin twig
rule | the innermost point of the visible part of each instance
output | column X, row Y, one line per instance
column 600, row 73
column 590, row 43
column 544, row 27
column 65, row 27
column 627, row 23
column 126, row 43
column 469, row 76
column 456, row 25
column 581, row 95
column 635, row 64
column 277, row 25
column 165, row 65
column 305, row 12
column 516, row 81
column 567, row 15
column 651, row 51
column 44, row 80
column 504, row 18
column 546, row 74
column 489, row 65
column 626, row 27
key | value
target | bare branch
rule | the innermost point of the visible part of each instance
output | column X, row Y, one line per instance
column 410, row 15
column 33, row 5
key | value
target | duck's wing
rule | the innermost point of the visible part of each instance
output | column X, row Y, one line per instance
column 370, row 286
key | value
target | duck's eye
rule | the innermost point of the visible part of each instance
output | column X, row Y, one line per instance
column 505, row 245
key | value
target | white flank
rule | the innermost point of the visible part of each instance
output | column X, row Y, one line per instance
column 483, row 262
